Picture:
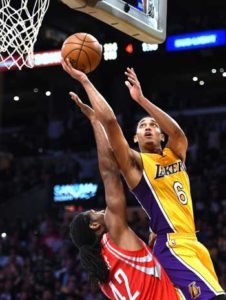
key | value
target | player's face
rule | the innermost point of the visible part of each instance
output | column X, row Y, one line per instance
column 148, row 135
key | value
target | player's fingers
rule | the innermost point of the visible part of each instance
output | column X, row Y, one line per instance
column 87, row 108
column 68, row 62
column 71, row 68
column 66, row 67
column 69, row 65
column 73, row 96
column 132, row 80
column 62, row 61
column 131, row 77
column 63, row 64
column 127, row 83
column 84, row 107
column 129, row 74
column 134, row 74
column 131, row 71
column 76, row 99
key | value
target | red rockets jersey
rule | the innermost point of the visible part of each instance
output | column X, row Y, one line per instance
column 135, row 275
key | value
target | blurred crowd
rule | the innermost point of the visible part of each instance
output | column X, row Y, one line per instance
column 37, row 259
column 196, row 17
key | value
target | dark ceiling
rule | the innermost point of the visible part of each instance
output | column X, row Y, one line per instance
column 160, row 72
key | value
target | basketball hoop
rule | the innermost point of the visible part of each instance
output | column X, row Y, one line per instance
column 19, row 27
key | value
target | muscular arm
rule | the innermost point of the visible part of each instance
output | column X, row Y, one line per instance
column 114, row 194
column 105, row 114
column 177, row 140
column 129, row 161
column 115, row 214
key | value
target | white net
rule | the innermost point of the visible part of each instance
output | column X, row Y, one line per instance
column 19, row 27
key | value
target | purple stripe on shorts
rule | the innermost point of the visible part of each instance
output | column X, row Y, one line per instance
column 180, row 275
column 145, row 197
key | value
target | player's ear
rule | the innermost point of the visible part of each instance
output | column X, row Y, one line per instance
column 163, row 137
column 135, row 139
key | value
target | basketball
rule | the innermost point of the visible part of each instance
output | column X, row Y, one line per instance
column 83, row 50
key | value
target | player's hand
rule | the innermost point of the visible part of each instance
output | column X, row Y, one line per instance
column 76, row 74
column 133, row 84
column 86, row 109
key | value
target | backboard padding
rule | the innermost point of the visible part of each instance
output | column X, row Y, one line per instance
column 134, row 22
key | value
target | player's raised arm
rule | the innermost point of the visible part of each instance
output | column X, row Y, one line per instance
column 129, row 160
column 177, row 140
column 115, row 214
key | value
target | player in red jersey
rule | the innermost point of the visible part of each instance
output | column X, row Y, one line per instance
column 111, row 253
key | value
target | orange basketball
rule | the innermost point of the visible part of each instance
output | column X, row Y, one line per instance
column 83, row 50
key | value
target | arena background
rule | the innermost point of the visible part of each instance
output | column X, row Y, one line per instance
column 45, row 141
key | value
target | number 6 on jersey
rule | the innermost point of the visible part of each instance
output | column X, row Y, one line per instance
column 179, row 190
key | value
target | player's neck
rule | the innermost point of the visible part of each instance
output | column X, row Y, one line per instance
column 155, row 150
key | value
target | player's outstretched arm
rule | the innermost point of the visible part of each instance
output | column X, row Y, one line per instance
column 128, row 160
column 115, row 215
column 177, row 140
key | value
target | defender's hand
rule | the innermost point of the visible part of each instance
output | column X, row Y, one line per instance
column 76, row 74
column 133, row 84
column 86, row 109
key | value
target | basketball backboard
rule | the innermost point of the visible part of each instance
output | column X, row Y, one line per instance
column 145, row 21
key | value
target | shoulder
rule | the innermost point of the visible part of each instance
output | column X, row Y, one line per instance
column 170, row 153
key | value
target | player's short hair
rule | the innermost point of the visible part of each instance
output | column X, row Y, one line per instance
column 144, row 117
